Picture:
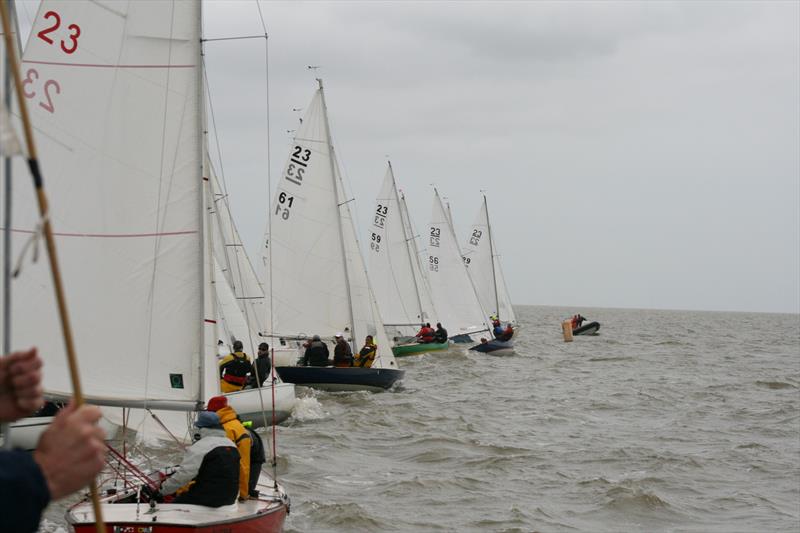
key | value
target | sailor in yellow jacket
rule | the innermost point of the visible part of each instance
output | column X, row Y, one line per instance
column 233, row 369
column 236, row 432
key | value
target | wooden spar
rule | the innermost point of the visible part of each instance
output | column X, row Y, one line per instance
column 33, row 165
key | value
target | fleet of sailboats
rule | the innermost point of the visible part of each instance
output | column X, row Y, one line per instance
column 118, row 104
column 158, row 275
column 401, row 285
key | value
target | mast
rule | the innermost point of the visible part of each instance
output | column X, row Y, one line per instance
column 334, row 177
column 206, row 260
column 491, row 256
column 406, row 238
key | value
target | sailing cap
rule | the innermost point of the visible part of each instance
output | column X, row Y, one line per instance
column 207, row 419
column 216, row 403
column 338, row 334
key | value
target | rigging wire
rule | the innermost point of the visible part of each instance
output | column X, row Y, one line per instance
column 273, row 380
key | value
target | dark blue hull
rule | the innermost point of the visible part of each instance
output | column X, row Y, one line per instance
column 494, row 347
column 340, row 379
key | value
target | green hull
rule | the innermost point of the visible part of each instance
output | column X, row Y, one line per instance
column 416, row 348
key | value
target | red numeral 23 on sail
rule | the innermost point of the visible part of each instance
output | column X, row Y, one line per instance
column 75, row 31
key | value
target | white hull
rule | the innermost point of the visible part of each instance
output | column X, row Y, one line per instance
column 247, row 403
column 251, row 515
column 286, row 356
column 26, row 432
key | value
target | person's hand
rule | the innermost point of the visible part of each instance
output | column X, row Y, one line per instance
column 20, row 385
column 71, row 451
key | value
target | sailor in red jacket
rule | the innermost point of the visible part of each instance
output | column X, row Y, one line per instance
column 425, row 334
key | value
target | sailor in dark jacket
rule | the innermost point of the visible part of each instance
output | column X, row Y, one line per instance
column 262, row 364
column 441, row 334
column 316, row 354
column 212, row 462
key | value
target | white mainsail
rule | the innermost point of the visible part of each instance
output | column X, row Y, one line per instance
column 453, row 293
column 319, row 283
column 114, row 93
column 483, row 263
column 394, row 266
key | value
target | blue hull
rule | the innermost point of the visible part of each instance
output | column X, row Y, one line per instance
column 494, row 347
column 340, row 379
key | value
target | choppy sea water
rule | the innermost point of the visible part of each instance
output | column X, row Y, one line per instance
column 667, row 421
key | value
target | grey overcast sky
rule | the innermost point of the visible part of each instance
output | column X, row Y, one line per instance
column 634, row 154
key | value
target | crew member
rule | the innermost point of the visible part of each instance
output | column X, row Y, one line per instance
column 440, row 335
column 425, row 334
column 209, row 472
column 236, row 432
column 316, row 353
column 342, row 354
column 366, row 356
column 233, row 369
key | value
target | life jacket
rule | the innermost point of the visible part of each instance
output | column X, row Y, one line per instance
column 426, row 334
column 235, row 366
column 366, row 356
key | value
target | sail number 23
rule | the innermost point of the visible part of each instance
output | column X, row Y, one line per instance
column 69, row 45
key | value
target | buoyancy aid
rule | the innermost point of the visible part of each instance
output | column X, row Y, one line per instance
column 234, row 368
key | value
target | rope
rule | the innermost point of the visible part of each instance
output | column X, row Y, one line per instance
column 32, row 242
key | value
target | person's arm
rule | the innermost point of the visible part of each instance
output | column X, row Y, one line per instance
column 187, row 471
column 23, row 491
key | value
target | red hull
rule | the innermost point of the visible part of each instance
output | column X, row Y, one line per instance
column 267, row 523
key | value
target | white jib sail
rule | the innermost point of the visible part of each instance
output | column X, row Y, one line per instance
column 113, row 92
column 393, row 264
column 453, row 294
column 483, row 263
column 236, row 268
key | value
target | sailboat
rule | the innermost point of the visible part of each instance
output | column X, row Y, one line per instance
column 453, row 293
column 483, row 263
column 242, row 312
column 116, row 96
column 319, row 282
column 395, row 272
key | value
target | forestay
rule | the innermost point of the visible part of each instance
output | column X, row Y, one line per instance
column 393, row 264
column 483, row 263
column 113, row 90
column 453, row 294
